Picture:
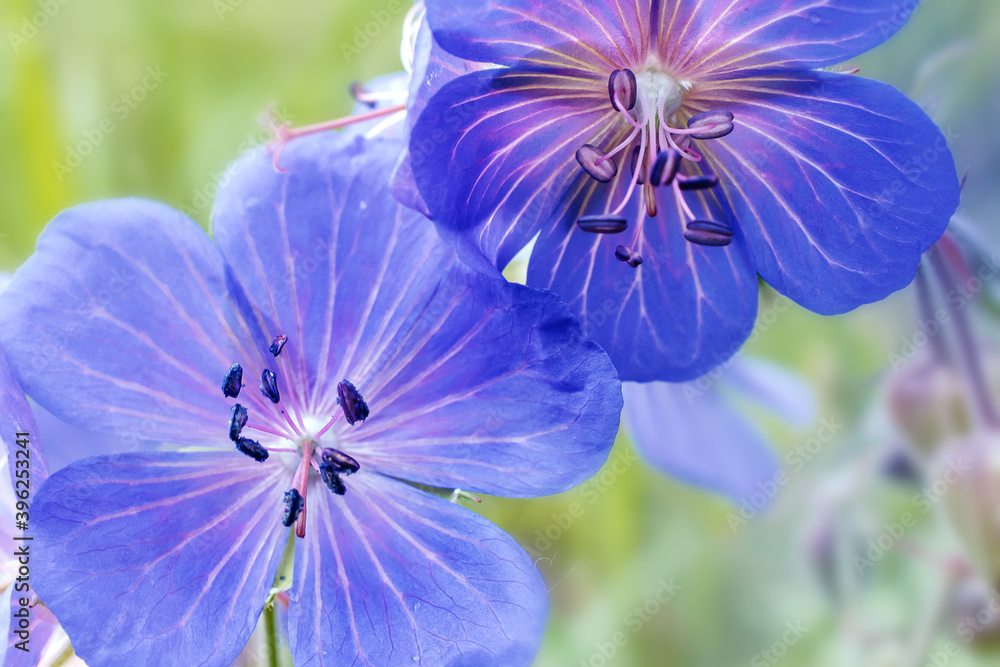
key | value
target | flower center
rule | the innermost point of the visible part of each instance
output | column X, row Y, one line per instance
column 292, row 432
column 648, row 103
column 660, row 93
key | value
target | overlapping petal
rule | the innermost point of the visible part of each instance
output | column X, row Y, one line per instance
column 494, row 389
column 159, row 557
column 493, row 153
column 559, row 35
column 839, row 184
column 327, row 257
column 41, row 633
column 715, row 38
column 697, row 437
column 773, row 387
column 394, row 575
column 433, row 68
column 65, row 443
column 120, row 322
column 686, row 309
column 16, row 417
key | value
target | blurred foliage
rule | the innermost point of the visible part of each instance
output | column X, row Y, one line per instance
column 226, row 61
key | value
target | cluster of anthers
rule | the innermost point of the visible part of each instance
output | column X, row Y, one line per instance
column 654, row 98
column 291, row 426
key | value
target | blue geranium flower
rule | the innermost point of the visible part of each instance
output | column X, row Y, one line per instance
column 667, row 152
column 379, row 358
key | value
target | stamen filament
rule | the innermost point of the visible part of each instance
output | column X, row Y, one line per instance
column 284, row 133
column 303, row 484
column 291, row 424
column 329, row 424
column 628, row 116
column 680, row 198
column 665, row 133
column 635, row 177
column 625, row 144
column 288, row 133
column 267, row 430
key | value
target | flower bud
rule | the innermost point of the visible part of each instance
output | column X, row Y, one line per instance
column 965, row 480
column 927, row 402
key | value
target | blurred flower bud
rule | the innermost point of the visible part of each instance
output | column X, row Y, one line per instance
column 900, row 465
column 974, row 612
column 965, row 480
column 927, row 401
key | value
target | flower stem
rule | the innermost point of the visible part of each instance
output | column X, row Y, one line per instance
column 967, row 351
column 271, row 635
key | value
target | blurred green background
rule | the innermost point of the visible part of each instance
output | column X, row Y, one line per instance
column 206, row 70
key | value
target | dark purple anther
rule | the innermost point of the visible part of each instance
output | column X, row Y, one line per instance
column 252, row 448
column 340, row 461
column 233, row 382
column 665, row 168
column 622, row 254
column 634, row 162
column 332, row 480
column 715, row 124
column 588, row 157
column 621, row 84
column 269, row 385
column 359, row 94
column 353, row 404
column 708, row 233
column 294, row 502
column 602, row 224
column 697, row 182
column 237, row 420
column 278, row 345
column 635, row 261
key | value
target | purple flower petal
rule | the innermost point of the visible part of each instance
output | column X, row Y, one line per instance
column 528, row 35
column 716, row 38
column 470, row 382
column 526, row 419
column 686, row 309
column 773, row 387
column 42, row 632
column 839, row 184
column 394, row 576
column 433, row 67
column 120, row 322
column 174, row 554
column 327, row 258
column 696, row 436
column 16, row 417
column 507, row 157
column 65, row 443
